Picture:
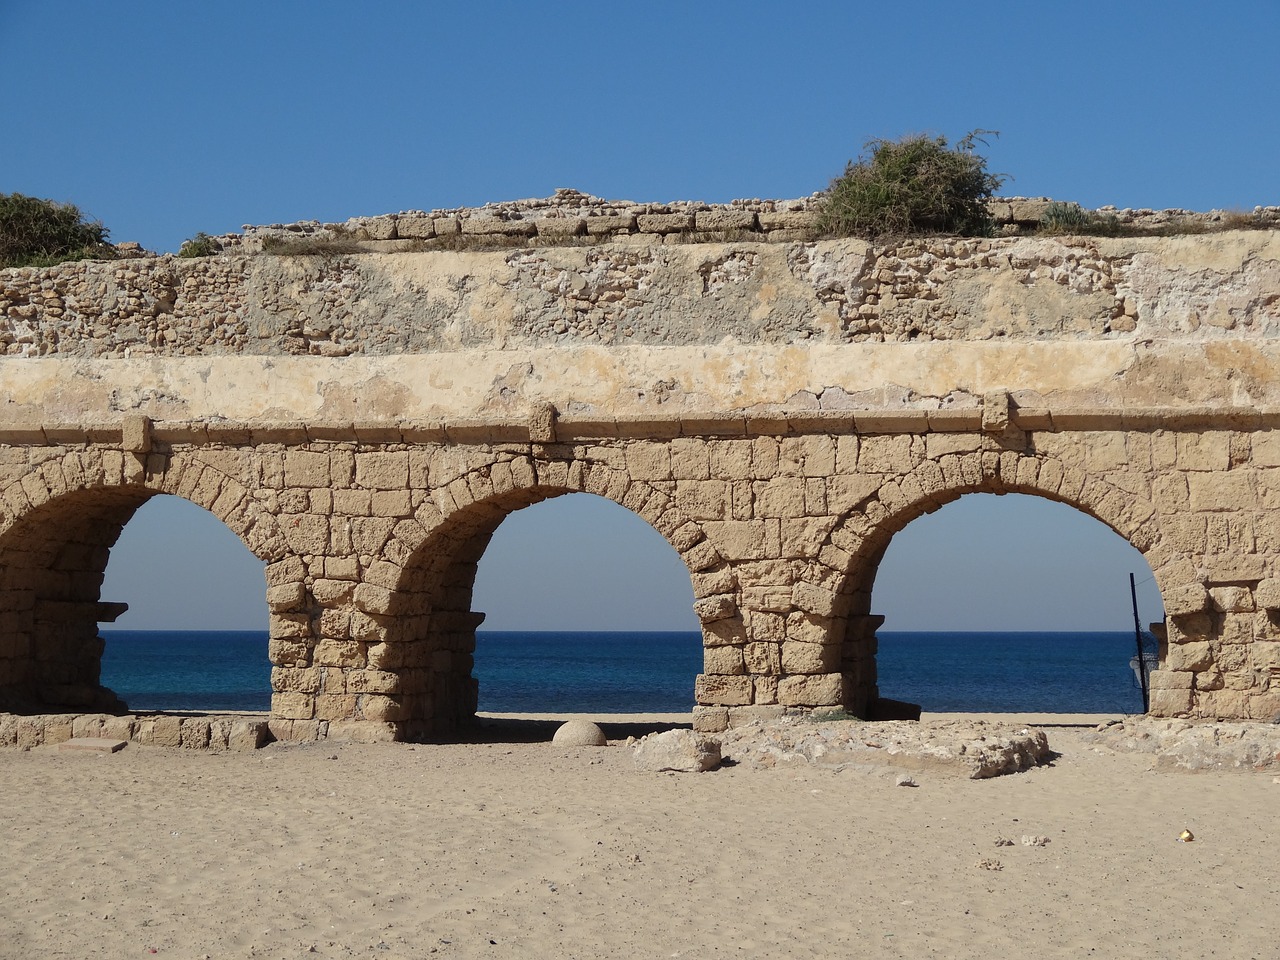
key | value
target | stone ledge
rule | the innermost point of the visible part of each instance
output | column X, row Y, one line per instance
column 655, row 426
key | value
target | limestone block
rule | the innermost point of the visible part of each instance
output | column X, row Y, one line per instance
column 690, row 459
column 119, row 728
column 1265, row 655
column 885, row 454
column 195, row 733
column 1232, row 599
column 135, row 434
column 330, row 593
column 1186, row 600
column 286, row 596
column 609, row 224
column 247, row 735
column 1204, row 451
column 295, row 679
column 371, row 598
column 415, row 227
column 303, row 468
column 335, row 706
column 391, row 503
column 648, row 461
column 814, row 599
column 381, row 471
column 726, row 220
column 763, row 657
column 723, row 661
column 1189, row 655
column 780, row 497
column 362, row 731
column 166, row 731
column 710, row 719
column 719, row 633
column 362, row 626
column 1235, row 568
column 293, row 706
column 338, row 653
column 703, row 499
column 815, row 690
column 381, row 708
column 679, row 751
column 766, row 689
column 1167, row 679
column 665, row 222
column 1105, row 452
column 846, row 493
column 561, row 226
column 714, row 690
column 1266, row 705
column 800, row 657
column 1216, row 492
column 373, row 681
column 803, row 538
column 720, row 607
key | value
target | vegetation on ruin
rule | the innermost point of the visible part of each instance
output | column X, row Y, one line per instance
column 201, row 245
column 915, row 185
column 41, row 233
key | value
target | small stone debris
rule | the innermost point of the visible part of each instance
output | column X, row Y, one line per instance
column 92, row 745
column 905, row 781
column 975, row 749
column 987, row 863
column 1194, row 745
column 1030, row 841
column 1003, row 842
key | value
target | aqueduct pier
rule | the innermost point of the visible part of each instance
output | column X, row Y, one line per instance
column 777, row 408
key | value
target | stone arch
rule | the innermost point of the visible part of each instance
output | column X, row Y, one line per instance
column 857, row 544
column 61, row 518
column 413, row 608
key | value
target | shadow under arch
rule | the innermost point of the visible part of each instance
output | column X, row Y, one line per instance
column 865, row 533
column 425, row 633
column 62, row 519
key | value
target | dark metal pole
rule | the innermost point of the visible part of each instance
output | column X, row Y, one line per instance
column 1137, row 636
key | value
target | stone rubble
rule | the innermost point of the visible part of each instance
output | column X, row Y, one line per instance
column 215, row 733
column 974, row 749
column 1194, row 745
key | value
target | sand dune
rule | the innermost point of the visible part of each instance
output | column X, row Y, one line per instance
column 504, row 849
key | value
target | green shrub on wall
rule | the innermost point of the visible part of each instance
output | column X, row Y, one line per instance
column 914, row 185
column 40, row 233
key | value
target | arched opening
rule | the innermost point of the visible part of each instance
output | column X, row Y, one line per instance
column 587, row 609
column 194, row 636
column 418, row 633
column 1010, row 603
column 51, row 568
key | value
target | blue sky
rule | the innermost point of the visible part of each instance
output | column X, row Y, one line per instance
column 164, row 119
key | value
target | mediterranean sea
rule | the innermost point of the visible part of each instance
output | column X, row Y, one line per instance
column 645, row 672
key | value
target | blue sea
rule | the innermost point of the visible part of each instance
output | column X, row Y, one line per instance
column 587, row 672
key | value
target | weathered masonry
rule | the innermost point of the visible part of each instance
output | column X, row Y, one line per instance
column 776, row 408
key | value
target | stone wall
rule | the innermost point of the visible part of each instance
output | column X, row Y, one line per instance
column 776, row 410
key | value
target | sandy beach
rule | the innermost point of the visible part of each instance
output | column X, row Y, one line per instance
column 525, row 849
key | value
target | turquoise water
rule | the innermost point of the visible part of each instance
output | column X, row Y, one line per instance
column 654, row 672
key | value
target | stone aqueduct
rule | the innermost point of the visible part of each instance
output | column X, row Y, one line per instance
column 776, row 407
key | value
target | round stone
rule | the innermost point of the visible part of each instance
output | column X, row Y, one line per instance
column 579, row 733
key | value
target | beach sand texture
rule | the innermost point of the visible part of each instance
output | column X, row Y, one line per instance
column 511, row 849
